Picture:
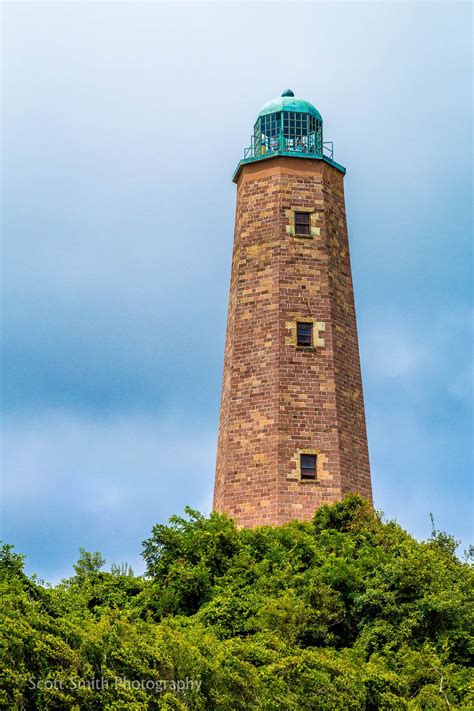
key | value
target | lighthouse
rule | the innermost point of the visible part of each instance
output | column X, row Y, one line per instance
column 292, row 432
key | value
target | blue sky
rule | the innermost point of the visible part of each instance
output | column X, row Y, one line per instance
column 122, row 125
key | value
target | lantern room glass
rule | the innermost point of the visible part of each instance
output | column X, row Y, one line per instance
column 288, row 131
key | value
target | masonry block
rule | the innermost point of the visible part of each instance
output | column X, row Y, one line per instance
column 278, row 400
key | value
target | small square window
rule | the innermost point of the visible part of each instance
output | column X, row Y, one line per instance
column 302, row 224
column 304, row 333
column 308, row 466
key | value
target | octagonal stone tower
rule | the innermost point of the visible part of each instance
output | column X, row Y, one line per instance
column 292, row 432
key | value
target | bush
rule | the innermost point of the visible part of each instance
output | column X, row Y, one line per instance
column 344, row 612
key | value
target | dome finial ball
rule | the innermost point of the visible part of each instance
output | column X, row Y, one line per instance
column 288, row 92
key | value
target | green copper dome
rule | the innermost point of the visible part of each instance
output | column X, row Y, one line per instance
column 289, row 102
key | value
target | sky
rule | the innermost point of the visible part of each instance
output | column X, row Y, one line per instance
column 122, row 124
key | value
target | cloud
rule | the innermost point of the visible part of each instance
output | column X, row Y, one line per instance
column 419, row 468
column 122, row 126
column 418, row 416
column 395, row 354
column 100, row 483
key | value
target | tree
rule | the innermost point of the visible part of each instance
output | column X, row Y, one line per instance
column 88, row 563
column 344, row 612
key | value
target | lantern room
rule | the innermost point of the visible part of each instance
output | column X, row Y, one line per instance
column 288, row 126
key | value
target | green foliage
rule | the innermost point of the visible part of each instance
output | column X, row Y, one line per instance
column 344, row 612
column 122, row 569
column 88, row 563
column 11, row 564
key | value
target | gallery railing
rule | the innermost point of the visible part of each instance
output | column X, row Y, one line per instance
column 302, row 145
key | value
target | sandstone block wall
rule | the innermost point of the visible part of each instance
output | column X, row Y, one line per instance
column 280, row 400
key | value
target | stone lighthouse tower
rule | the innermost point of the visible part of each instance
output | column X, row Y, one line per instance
column 292, row 432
